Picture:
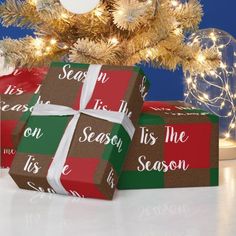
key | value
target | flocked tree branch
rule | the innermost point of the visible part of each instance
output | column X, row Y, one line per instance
column 121, row 32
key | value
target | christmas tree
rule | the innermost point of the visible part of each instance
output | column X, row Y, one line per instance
column 122, row 32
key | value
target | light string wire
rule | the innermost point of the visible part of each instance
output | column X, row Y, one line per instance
column 225, row 98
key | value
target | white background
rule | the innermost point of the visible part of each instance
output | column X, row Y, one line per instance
column 165, row 212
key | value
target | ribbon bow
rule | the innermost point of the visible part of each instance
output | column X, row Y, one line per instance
column 59, row 160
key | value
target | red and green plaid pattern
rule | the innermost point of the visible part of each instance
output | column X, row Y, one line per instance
column 172, row 122
column 16, row 91
column 94, row 163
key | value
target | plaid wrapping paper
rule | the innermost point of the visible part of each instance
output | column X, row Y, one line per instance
column 175, row 145
column 16, row 91
column 95, row 160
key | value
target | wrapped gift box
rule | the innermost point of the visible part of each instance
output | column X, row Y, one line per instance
column 98, row 146
column 175, row 145
column 16, row 91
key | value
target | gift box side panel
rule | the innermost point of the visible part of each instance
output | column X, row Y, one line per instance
column 201, row 164
column 96, row 157
column 37, row 147
column 13, row 108
column 137, row 92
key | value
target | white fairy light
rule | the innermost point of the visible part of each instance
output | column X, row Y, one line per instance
column 178, row 31
column 98, row 12
column 206, row 96
column 213, row 37
column 33, row 2
column 201, row 58
column 38, row 43
column 212, row 73
column 232, row 126
column 114, row 41
column 53, row 41
column 189, row 80
column 223, row 65
column 222, row 103
column 175, row 3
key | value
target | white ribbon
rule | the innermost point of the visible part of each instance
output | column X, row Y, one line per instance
column 59, row 160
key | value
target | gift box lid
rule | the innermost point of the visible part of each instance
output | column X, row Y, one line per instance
column 158, row 113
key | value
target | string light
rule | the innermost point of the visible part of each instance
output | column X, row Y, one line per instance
column 33, row 2
column 38, row 42
column 64, row 16
column 224, row 98
column 201, row 58
column 175, row 3
column 149, row 2
column 178, row 31
column 212, row 73
column 189, row 80
column 149, row 53
column 223, row 65
column 232, row 126
column 114, row 41
column 98, row 12
column 213, row 37
column 38, row 53
column 43, row 46
column 53, row 41
column 48, row 49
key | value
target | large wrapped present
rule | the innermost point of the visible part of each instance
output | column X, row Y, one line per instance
column 175, row 145
column 77, row 144
column 16, row 90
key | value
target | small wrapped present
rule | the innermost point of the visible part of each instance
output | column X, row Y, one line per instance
column 77, row 144
column 16, row 90
column 175, row 145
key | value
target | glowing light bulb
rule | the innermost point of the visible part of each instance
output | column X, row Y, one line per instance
column 227, row 135
column 222, row 104
column 64, row 16
column 120, row 12
column 174, row 3
column 178, row 31
column 114, row 41
column 221, row 46
column 223, row 65
column 38, row 43
column 202, row 75
column 98, row 12
column 38, row 53
column 206, row 96
column 33, row 2
column 213, row 36
column 201, row 58
column 232, row 126
column 189, row 80
column 48, row 49
column 212, row 73
column 53, row 41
